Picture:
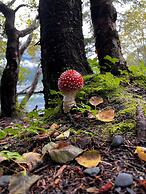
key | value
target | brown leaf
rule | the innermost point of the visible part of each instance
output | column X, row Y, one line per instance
column 106, row 115
column 20, row 184
column 105, row 188
column 94, row 100
column 142, row 183
column 54, row 126
column 31, row 159
column 60, row 171
column 44, row 136
column 89, row 159
column 61, row 152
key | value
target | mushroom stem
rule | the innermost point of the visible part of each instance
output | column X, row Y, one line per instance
column 68, row 100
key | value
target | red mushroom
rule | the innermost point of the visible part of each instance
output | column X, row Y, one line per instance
column 69, row 83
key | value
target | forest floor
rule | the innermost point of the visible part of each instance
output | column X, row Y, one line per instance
column 85, row 133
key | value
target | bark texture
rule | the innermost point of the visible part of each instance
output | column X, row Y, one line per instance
column 107, row 41
column 10, row 73
column 62, row 42
column 13, row 56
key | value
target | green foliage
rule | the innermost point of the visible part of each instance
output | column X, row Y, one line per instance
column 55, row 104
column 94, row 65
column 139, row 74
column 125, row 126
column 138, row 70
column 113, row 60
column 23, row 72
column 10, row 155
column 101, row 83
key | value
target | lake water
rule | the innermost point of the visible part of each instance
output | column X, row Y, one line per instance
column 35, row 100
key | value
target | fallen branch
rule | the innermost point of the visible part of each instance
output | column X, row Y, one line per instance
column 32, row 88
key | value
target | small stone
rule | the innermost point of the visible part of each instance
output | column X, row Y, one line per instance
column 117, row 141
column 4, row 180
column 130, row 191
column 124, row 180
column 92, row 171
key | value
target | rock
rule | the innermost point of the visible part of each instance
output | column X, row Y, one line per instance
column 92, row 171
column 117, row 141
column 130, row 191
column 123, row 180
column 4, row 180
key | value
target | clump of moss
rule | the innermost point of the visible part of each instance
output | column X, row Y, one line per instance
column 122, row 127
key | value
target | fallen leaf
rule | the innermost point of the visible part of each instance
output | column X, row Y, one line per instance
column 54, row 126
column 105, row 188
column 142, row 183
column 45, row 135
column 60, row 171
column 48, row 147
column 63, row 135
column 31, row 159
column 20, row 184
column 61, row 152
column 106, row 115
column 141, row 151
column 94, row 100
column 89, row 159
column 92, row 190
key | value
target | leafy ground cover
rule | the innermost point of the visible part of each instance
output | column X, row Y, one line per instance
column 80, row 152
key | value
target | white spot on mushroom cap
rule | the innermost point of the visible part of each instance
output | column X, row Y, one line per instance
column 70, row 79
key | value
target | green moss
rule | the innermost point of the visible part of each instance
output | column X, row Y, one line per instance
column 122, row 127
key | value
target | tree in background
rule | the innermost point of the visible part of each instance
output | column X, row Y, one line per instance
column 62, row 42
column 133, row 34
column 107, row 42
column 13, row 55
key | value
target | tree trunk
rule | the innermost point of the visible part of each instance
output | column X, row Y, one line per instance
column 107, row 41
column 10, row 73
column 13, row 56
column 62, row 42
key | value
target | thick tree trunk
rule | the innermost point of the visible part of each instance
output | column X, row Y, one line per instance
column 107, row 41
column 62, row 42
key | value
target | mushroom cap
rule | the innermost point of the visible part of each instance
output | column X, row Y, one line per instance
column 70, row 80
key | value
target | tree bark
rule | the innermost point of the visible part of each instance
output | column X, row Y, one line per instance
column 10, row 73
column 107, row 41
column 62, row 42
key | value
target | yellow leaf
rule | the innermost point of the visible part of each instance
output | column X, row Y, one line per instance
column 94, row 100
column 141, row 151
column 106, row 115
column 63, row 135
column 89, row 159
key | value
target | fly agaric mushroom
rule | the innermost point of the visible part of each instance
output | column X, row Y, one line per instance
column 69, row 83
